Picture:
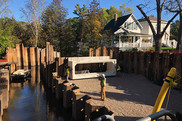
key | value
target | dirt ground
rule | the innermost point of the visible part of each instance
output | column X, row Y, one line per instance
column 129, row 96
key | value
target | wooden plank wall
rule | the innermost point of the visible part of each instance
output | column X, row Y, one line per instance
column 23, row 57
column 153, row 65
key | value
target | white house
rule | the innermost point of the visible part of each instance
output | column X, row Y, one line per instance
column 132, row 33
column 165, row 38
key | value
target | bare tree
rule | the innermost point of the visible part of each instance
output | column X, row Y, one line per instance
column 175, row 6
column 157, row 35
column 4, row 7
column 33, row 11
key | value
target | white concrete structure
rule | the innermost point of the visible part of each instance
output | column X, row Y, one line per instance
column 73, row 61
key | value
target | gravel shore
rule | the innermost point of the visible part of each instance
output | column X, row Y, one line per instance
column 129, row 96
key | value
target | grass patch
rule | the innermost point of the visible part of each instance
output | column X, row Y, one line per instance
column 164, row 48
column 167, row 48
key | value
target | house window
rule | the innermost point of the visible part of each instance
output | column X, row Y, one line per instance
column 130, row 26
column 125, row 25
column 134, row 26
column 136, row 38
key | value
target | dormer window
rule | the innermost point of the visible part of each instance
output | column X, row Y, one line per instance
column 125, row 25
column 135, row 26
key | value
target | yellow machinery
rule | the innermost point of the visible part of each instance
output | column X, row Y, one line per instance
column 169, row 81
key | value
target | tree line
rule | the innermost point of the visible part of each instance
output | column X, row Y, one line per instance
column 72, row 36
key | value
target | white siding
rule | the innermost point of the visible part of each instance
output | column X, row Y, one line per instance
column 147, row 30
column 131, row 21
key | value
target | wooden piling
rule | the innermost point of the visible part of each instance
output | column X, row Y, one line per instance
column 32, row 56
column 98, row 51
column 47, row 51
column 125, row 62
column 51, row 54
column 135, row 62
column 104, row 51
column 18, row 54
column 78, row 105
column 91, row 52
column 1, row 105
column 90, row 107
column 165, row 64
column 130, row 62
column 141, row 67
column 111, row 53
column 22, row 55
column 156, row 66
column 115, row 52
column 25, row 59
column 67, row 94
column 5, row 95
column 12, row 58
column 37, row 56
column 147, row 64
column 42, row 56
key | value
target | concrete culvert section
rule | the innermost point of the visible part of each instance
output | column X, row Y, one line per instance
column 90, row 67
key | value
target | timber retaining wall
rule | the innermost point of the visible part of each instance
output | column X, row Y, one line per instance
column 153, row 65
column 82, row 106
column 4, row 90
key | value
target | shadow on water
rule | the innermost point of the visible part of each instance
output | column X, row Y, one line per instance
column 31, row 101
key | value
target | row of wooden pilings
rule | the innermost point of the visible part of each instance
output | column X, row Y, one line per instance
column 4, row 90
column 82, row 106
column 21, row 56
column 153, row 65
column 104, row 51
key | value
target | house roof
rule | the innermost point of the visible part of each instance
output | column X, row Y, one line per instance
column 114, row 26
column 150, row 18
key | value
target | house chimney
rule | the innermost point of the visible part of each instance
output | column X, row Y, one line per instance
column 115, row 17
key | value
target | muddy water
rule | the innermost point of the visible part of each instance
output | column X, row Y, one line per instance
column 30, row 101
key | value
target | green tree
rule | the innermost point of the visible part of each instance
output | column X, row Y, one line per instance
column 175, row 6
column 125, row 10
column 175, row 30
column 68, row 45
column 94, row 27
column 22, row 30
column 113, row 10
column 53, row 20
column 6, row 33
column 108, row 14
column 82, row 14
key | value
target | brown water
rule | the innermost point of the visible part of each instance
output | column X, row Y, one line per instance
column 29, row 101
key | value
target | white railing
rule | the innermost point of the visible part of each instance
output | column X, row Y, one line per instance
column 134, row 45
column 146, row 44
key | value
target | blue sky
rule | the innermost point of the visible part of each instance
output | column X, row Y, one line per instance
column 16, row 5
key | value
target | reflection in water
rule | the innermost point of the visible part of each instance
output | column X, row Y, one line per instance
column 29, row 102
